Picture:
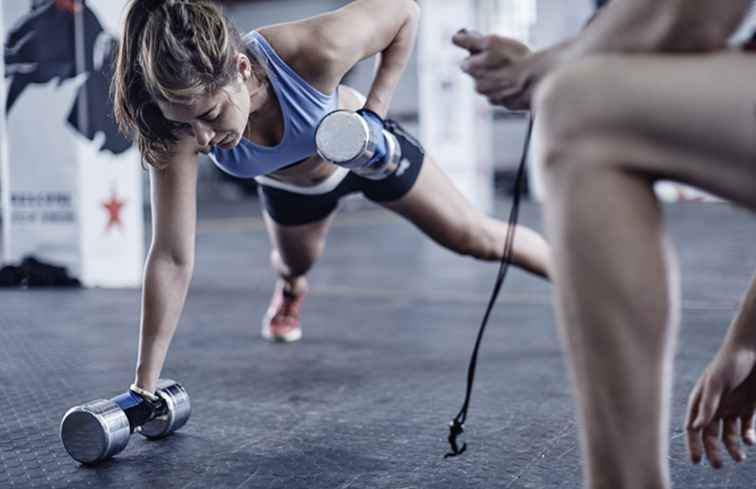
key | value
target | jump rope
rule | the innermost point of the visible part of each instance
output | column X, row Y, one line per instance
column 455, row 426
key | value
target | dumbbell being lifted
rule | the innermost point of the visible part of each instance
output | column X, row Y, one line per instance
column 358, row 141
column 97, row 430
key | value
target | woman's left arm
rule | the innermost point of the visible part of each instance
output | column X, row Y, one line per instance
column 365, row 28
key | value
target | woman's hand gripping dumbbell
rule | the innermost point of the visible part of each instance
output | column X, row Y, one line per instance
column 359, row 142
column 97, row 430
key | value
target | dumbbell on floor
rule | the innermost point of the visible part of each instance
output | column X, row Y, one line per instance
column 97, row 430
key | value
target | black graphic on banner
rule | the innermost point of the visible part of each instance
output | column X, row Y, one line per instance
column 41, row 47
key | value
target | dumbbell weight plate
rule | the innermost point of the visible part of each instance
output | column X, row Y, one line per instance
column 94, row 431
column 343, row 137
column 179, row 410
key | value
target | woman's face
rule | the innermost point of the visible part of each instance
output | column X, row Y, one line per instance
column 219, row 119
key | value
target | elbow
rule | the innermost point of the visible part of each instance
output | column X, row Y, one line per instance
column 181, row 260
column 413, row 12
column 409, row 10
column 414, row 8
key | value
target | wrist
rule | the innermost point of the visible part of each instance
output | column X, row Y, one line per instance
column 145, row 381
column 739, row 340
column 144, row 392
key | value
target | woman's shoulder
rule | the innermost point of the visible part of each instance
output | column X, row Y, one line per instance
column 301, row 46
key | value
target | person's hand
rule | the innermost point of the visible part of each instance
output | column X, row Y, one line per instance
column 722, row 405
column 503, row 68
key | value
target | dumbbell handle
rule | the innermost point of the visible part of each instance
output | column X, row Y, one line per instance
column 137, row 409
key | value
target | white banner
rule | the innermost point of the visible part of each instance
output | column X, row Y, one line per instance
column 72, row 184
column 5, row 201
column 455, row 123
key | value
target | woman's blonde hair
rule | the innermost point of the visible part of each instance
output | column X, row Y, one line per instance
column 171, row 51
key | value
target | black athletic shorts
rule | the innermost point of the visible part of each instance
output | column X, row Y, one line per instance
column 290, row 206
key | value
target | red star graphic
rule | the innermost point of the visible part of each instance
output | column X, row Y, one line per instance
column 72, row 6
column 113, row 206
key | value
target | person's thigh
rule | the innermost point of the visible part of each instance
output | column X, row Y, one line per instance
column 438, row 208
column 422, row 193
column 297, row 224
column 690, row 118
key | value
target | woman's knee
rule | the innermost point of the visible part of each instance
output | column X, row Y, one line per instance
column 297, row 261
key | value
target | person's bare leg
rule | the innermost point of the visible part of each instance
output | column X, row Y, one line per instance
column 606, row 129
column 436, row 207
column 295, row 250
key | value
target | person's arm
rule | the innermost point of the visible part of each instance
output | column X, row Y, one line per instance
column 392, row 61
column 509, row 79
column 338, row 40
column 724, row 397
column 742, row 332
column 169, row 264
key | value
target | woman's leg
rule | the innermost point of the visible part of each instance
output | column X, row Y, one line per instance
column 436, row 207
column 295, row 250
column 297, row 223
column 608, row 128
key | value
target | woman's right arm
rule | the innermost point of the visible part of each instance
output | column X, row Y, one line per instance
column 170, row 261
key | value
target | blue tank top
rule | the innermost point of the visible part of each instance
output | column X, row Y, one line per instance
column 302, row 107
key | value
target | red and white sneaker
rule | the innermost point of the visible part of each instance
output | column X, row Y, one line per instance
column 281, row 321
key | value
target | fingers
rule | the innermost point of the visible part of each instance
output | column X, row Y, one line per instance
column 710, row 396
column 693, row 436
column 711, row 444
column 731, row 439
column 469, row 40
column 695, row 445
column 480, row 63
column 747, row 431
column 693, row 403
column 488, row 85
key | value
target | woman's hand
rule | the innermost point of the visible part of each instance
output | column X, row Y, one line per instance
column 722, row 406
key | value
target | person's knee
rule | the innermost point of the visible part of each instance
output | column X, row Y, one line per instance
column 569, row 106
column 295, row 263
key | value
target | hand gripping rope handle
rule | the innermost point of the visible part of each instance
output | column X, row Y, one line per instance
column 455, row 426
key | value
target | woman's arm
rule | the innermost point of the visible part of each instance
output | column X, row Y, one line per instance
column 392, row 59
column 325, row 47
column 169, row 263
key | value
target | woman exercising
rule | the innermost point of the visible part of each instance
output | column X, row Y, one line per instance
column 187, row 83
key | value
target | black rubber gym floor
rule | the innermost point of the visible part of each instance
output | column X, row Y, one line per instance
column 364, row 400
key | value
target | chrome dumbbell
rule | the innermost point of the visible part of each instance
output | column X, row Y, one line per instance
column 352, row 139
column 97, row 430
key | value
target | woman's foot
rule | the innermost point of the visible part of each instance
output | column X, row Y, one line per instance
column 281, row 321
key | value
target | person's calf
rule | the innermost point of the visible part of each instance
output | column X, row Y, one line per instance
column 292, row 277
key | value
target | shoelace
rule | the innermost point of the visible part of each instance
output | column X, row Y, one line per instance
column 455, row 426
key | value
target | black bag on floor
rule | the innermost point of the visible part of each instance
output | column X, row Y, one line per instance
column 35, row 273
